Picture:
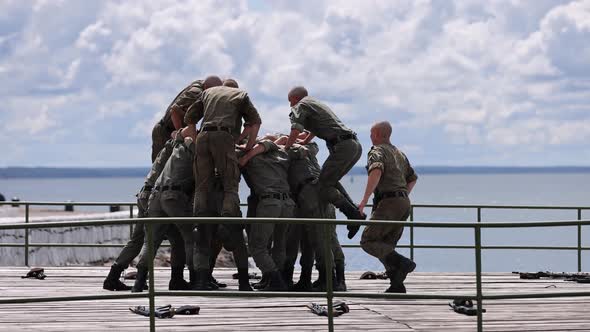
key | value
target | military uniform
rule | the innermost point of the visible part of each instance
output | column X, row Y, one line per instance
column 221, row 110
column 266, row 174
column 135, row 243
column 345, row 150
column 303, row 174
column 164, row 128
column 390, row 202
column 172, row 197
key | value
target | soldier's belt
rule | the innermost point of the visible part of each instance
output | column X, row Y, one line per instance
column 281, row 196
column 215, row 128
column 174, row 187
column 341, row 138
column 391, row 194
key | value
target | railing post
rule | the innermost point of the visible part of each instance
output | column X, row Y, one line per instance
column 478, row 277
column 26, row 235
column 479, row 214
column 328, row 260
column 151, row 257
column 579, row 241
column 412, row 233
column 131, row 217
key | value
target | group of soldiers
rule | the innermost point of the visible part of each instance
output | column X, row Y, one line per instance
column 197, row 173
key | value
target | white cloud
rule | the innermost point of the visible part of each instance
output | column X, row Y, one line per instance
column 448, row 74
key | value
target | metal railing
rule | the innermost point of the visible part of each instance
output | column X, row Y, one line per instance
column 411, row 246
column 329, row 294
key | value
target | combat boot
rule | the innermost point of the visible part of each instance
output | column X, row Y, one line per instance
column 192, row 275
column 112, row 281
column 202, row 281
column 395, row 285
column 177, row 281
column 244, row 280
column 287, row 274
column 320, row 285
column 263, row 281
column 400, row 264
column 140, row 280
column 275, row 283
column 304, row 284
column 340, row 284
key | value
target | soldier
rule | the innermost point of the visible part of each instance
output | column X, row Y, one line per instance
column 304, row 172
column 221, row 109
column 172, row 197
column 265, row 171
column 173, row 119
column 135, row 243
column 307, row 113
column 391, row 179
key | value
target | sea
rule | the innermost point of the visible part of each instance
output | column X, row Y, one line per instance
column 549, row 188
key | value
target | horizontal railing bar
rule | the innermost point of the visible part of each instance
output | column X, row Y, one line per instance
column 442, row 246
column 450, row 206
column 400, row 296
column 119, row 245
column 197, row 220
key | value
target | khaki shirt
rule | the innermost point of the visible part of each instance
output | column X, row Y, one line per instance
column 315, row 116
column 159, row 163
column 304, row 165
column 182, row 102
column 395, row 167
column 268, row 172
column 178, row 170
column 223, row 106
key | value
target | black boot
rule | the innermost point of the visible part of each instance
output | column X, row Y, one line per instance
column 340, row 285
column 276, row 283
column 287, row 274
column 112, row 281
column 304, row 283
column 192, row 273
column 320, row 285
column 400, row 264
column 177, row 281
column 216, row 283
column 395, row 285
column 140, row 280
column 202, row 281
column 244, row 280
column 263, row 281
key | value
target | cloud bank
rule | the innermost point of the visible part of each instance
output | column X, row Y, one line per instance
column 501, row 82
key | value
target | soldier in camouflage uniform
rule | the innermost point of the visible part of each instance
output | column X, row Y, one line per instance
column 265, row 169
column 221, row 109
column 173, row 119
column 135, row 243
column 172, row 197
column 304, row 172
column 391, row 179
column 308, row 113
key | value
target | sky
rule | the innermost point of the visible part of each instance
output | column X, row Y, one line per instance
column 463, row 82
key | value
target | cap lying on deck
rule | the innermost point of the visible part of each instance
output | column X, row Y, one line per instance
column 36, row 272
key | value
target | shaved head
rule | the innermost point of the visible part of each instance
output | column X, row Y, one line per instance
column 230, row 82
column 381, row 132
column 212, row 81
column 296, row 94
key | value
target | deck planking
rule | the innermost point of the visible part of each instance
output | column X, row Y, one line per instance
column 291, row 314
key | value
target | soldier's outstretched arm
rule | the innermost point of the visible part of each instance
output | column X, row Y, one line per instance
column 372, row 182
column 292, row 138
column 253, row 133
column 256, row 150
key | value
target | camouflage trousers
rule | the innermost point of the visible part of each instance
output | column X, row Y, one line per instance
column 381, row 240
column 182, row 237
column 343, row 156
column 216, row 158
column 133, row 246
column 261, row 234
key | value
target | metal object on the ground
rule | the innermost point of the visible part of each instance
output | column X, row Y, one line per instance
column 166, row 311
column 36, row 272
column 320, row 310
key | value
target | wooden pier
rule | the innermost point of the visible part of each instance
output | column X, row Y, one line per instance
column 291, row 314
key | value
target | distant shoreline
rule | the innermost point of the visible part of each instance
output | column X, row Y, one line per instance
column 80, row 172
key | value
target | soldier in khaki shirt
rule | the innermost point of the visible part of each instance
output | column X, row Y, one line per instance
column 391, row 179
column 308, row 113
column 221, row 109
column 173, row 119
